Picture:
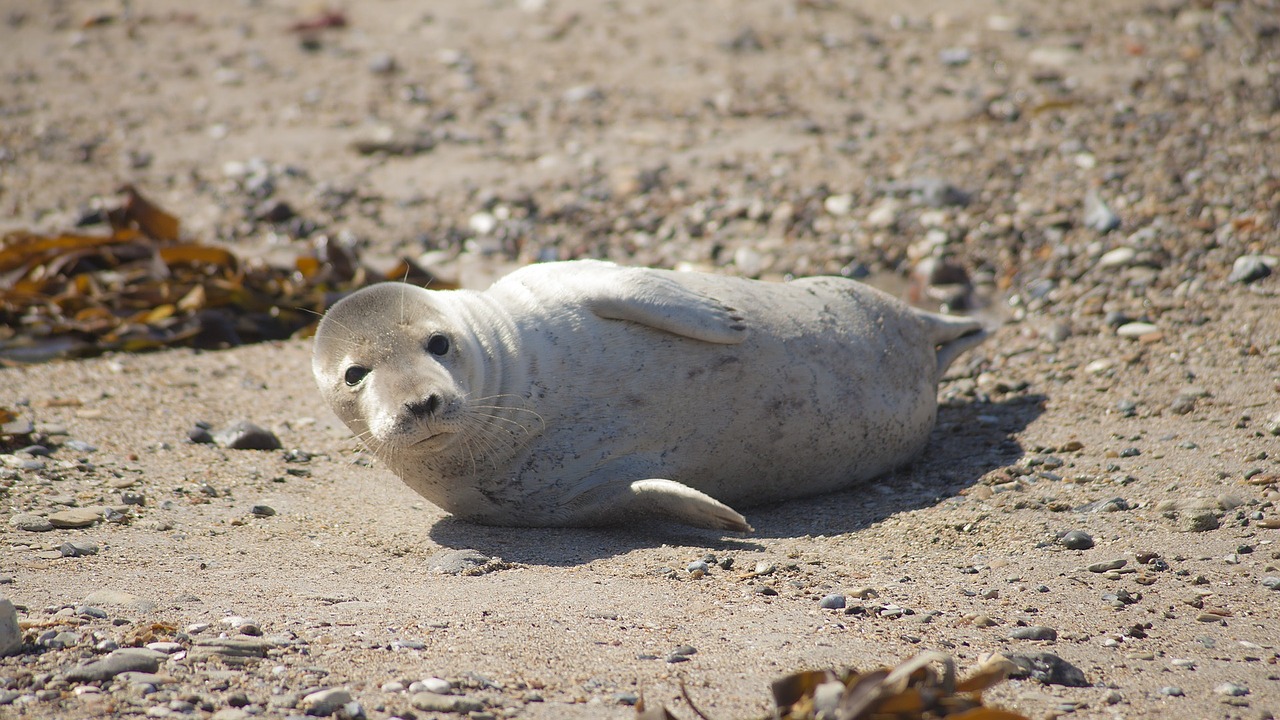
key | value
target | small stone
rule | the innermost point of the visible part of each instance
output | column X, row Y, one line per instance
column 262, row 511
column 1251, row 268
column 1231, row 690
column 1120, row 257
column 164, row 646
column 76, row 517
column 437, row 685
column 10, row 631
column 431, row 702
column 1048, row 669
column 1134, row 330
column 383, row 64
column 832, row 602
column 865, row 593
column 1172, row 691
column 119, row 661
column 30, row 523
column 78, row 548
column 1270, row 582
column 245, row 435
column 698, row 566
column 238, row 647
column 1105, row 565
column 1076, row 540
column 956, row 56
column 1034, row 632
column 1197, row 520
column 392, row 686
column 133, row 498
column 324, row 702
column 1098, row 216
column 200, row 435
column 456, row 562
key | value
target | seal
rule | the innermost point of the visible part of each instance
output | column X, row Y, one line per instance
column 585, row 393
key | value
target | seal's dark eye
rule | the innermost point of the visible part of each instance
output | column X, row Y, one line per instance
column 438, row 344
column 355, row 374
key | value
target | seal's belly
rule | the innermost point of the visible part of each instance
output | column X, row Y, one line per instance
column 832, row 387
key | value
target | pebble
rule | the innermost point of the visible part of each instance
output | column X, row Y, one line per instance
column 262, row 511
column 1136, row 329
column 119, row 661
column 1034, row 632
column 832, row 602
column 245, row 435
column 1250, row 268
column 323, row 703
column 1105, row 565
column 166, row 647
column 30, row 523
column 1098, row 216
column 433, row 685
column 1119, row 257
column 455, row 562
column 1197, row 520
column 78, row 548
column 698, row 566
column 10, row 632
column 76, row 517
column 241, row 647
column 80, row 446
column 383, row 64
column 1076, row 540
column 1115, row 504
column 431, row 702
column 200, row 435
column 393, row 686
column 1172, row 691
column 1048, row 669
column 1231, row 690
column 1271, row 582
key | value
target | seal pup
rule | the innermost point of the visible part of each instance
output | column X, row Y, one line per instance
column 585, row 393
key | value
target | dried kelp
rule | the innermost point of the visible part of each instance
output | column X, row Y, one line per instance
column 142, row 287
column 914, row 690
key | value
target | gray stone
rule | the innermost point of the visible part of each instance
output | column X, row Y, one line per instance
column 1098, row 216
column 431, row 702
column 10, row 632
column 1048, row 669
column 245, row 435
column 262, row 511
column 30, row 523
column 832, row 602
column 1034, row 632
column 1250, row 268
column 120, row 661
column 1270, row 582
column 325, row 702
column 243, row 647
column 1231, row 690
column 1076, row 540
column 78, row 548
column 117, row 598
column 1105, row 565
column 1197, row 520
column 455, row 562
column 77, row 517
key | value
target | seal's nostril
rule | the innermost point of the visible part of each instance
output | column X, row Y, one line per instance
column 423, row 408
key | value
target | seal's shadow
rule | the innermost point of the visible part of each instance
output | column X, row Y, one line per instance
column 968, row 442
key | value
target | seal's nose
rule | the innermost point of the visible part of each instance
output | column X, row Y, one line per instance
column 423, row 408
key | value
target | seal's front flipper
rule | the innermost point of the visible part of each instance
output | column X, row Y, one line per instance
column 653, row 298
column 624, row 500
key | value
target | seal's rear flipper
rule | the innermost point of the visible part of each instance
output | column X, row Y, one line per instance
column 951, row 335
column 623, row 501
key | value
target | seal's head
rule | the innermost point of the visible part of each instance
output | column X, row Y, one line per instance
column 394, row 368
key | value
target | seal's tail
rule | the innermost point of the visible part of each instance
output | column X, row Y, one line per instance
column 951, row 335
